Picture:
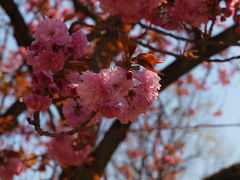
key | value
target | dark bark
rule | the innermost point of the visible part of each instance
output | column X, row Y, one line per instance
column 229, row 173
column 79, row 7
column 182, row 66
column 21, row 32
column 15, row 110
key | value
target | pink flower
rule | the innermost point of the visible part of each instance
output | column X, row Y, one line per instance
column 51, row 31
column 192, row 12
column 130, row 10
column 93, row 90
column 61, row 149
column 150, row 83
column 38, row 89
column 66, row 89
column 61, row 83
column 53, row 89
column 71, row 76
column 48, row 60
column 69, row 90
column 114, row 92
column 76, row 113
column 42, row 77
column 140, row 97
column 79, row 42
column 36, row 47
column 134, row 153
column 104, row 91
column 183, row 91
column 119, row 79
column 37, row 102
column 135, row 104
column 13, row 167
column 223, row 76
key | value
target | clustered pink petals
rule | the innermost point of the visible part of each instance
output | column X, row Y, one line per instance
column 130, row 10
column 114, row 94
column 79, row 42
column 62, row 149
column 12, row 167
column 167, row 14
column 192, row 12
column 150, row 83
column 49, row 60
column 51, row 31
column 37, row 102
column 47, row 55
column 53, row 46
column 76, row 113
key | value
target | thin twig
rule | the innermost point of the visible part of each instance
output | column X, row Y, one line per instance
column 156, row 49
column 166, row 33
column 223, row 60
column 36, row 123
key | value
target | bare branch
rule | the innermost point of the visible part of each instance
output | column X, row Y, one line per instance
column 80, row 7
column 166, row 33
column 229, row 173
column 21, row 32
column 36, row 123
column 223, row 60
column 156, row 49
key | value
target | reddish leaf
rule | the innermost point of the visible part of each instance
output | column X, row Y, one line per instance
column 71, row 16
column 129, row 47
column 147, row 60
column 45, row 8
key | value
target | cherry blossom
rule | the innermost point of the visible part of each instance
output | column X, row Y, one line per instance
column 61, row 149
column 76, row 113
column 51, row 31
column 12, row 167
column 37, row 102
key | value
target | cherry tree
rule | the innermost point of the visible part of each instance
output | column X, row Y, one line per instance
column 86, row 79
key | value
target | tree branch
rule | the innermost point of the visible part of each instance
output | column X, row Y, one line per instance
column 21, row 31
column 80, row 7
column 14, row 111
column 23, row 38
column 36, row 123
column 223, row 60
column 229, row 173
column 181, row 66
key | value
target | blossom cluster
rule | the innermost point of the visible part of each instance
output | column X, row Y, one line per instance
column 113, row 92
column 87, row 96
column 10, row 167
column 116, row 92
column 48, row 54
column 131, row 10
column 166, row 14
column 71, row 150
